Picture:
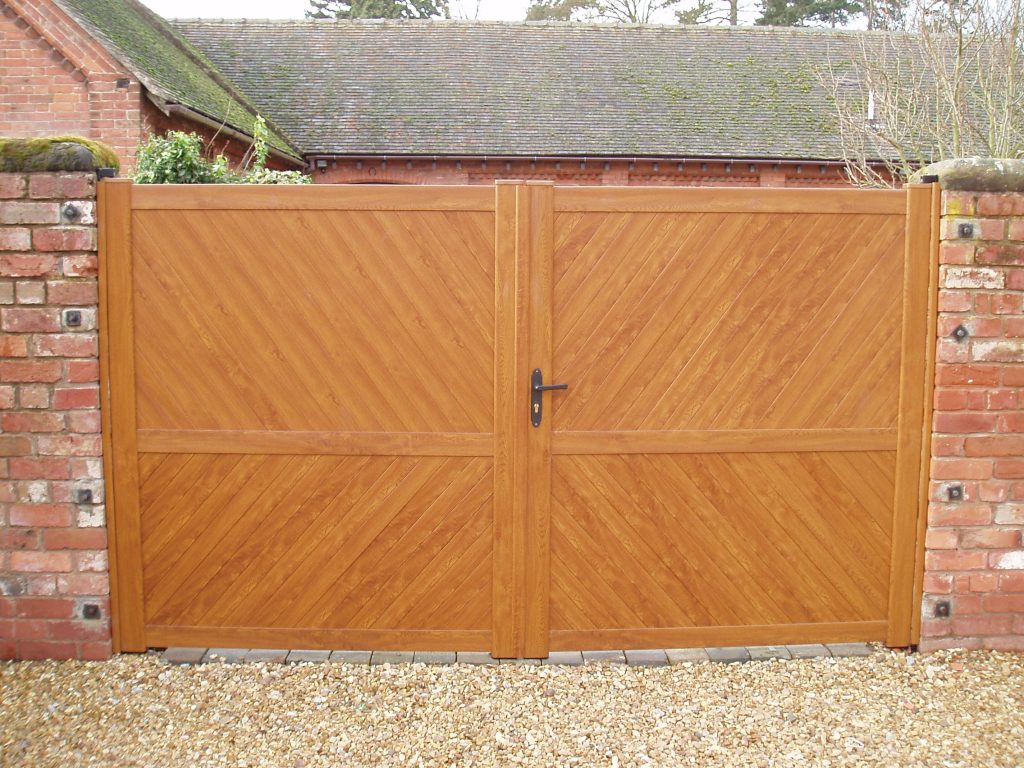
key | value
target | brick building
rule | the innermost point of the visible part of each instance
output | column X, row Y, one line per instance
column 436, row 102
column 113, row 71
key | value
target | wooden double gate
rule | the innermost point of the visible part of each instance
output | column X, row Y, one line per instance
column 323, row 430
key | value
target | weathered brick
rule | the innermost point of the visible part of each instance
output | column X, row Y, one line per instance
column 972, row 277
column 30, row 370
column 15, row 239
column 42, row 515
column 72, row 292
column 32, row 422
column 961, row 422
column 15, row 445
column 24, row 320
column 69, row 186
column 27, row 264
column 25, row 212
column 49, row 562
column 961, row 469
column 67, row 398
column 1009, row 468
column 967, row 375
column 995, row 445
column 990, row 538
column 1005, row 255
column 64, row 239
column 67, row 345
column 955, row 561
column 12, row 185
column 13, row 346
column 1004, row 350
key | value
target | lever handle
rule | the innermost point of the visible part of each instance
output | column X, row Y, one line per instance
column 537, row 390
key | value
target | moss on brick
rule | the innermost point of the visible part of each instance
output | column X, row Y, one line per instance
column 58, row 153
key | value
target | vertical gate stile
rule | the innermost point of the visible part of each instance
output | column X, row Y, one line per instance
column 504, row 587
column 926, row 423
column 119, row 385
column 538, row 503
column 913, row 358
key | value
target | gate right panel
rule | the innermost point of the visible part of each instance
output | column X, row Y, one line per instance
column 724, row 463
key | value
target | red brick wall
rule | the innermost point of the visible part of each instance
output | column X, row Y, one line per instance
column 58, row 80
column 53, row 539
column 615, row 172
column 974, row 557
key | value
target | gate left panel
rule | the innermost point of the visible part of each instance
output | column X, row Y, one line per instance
column 304, row 444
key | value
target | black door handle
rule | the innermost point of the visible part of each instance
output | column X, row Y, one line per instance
column 537, row 390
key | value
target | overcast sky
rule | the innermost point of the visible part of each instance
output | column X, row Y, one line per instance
column 506, row 10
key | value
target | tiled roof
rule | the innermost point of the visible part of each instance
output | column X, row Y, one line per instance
column 166, row 64
column 555, row 89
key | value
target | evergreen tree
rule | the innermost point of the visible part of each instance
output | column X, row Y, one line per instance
column 804, row 13
column 377, row 9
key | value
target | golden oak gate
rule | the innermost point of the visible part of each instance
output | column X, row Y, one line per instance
column 336, row 418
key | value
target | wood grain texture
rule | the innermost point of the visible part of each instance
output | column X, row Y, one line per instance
column 343, row 321
column 727, row 321
column 536, row 563
column 320, row 197
column 320, row 542
column 115, row 200
column 722, row 441
column 722, row 200
column 720, row 540
column 926, row 422
column 320, row 443
column 320, row 639
column 913, row 389
column 507, row 620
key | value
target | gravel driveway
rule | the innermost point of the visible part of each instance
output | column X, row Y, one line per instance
column 947, row 709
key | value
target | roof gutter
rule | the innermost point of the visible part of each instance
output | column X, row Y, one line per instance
column 170, row 108
column 313, row 156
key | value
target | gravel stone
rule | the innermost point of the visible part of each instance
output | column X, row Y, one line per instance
column 520, row 662
column 955, row 709
column 733, row 655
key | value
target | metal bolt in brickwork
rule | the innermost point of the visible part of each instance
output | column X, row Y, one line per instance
column 955, row 493
column 960, row 333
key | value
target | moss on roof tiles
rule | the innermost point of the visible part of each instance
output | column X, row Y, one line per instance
column 169, row 65
column 446, row 87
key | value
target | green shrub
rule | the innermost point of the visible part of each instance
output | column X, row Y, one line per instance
column 180, row 158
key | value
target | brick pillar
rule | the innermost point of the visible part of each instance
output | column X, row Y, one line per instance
column 54, row 585
column 974, row 559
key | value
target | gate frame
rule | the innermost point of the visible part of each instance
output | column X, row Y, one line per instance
column 524, row 228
